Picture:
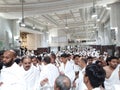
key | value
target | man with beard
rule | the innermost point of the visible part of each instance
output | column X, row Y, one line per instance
column 11, row 76
column 31, row 74
column 112, row 73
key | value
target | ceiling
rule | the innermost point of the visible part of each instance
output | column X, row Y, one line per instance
column 57, row 13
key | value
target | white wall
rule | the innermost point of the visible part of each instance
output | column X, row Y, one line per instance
column 115, row 20
column 38, row 40
column 52, row 33
column 34, row 41
column 10, row 34
column 7, row 27
column 104, row 32
column 107, row 34
column 45, row 40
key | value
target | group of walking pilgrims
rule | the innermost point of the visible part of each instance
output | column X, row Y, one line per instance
column 83, row 70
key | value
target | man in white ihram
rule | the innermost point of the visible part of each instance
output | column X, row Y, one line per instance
column 66, row 67
column 11, row 76
column 31, row 74
column 82, row 63
column 112, row 74
column 48, row 75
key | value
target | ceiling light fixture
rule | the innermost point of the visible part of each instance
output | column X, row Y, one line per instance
column 94, row 14
column 33, row 24
column 66, row 24
column 22, row 22
column 108, row 8
column 98, row 20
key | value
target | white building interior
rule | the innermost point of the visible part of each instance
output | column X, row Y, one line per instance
column 59, row 23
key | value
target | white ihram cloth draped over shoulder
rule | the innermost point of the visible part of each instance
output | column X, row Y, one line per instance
column 68, row 70
column 50, row 72
column 112, row 80
column 31, row 77
column 12, row 78
column 81, row 83
column 76, row 69
column 97, row 88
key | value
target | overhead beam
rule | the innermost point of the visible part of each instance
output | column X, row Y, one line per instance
column 81, row 14
column 73, row 15
column 50, row 19
column 33, row 20
column 59, row 17
column 5, row 1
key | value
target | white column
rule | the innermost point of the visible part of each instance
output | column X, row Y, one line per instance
column 34, row 41
column 31, row 42
column 53, row 37
column 107, row 34
column 101, row 39
column 16, row 34
column 44, row 39
column 115, row 20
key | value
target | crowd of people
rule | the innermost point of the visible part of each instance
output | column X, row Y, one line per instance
column 86, row 70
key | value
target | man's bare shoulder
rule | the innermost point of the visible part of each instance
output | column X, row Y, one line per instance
column 106, row 67
column 108, row 71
